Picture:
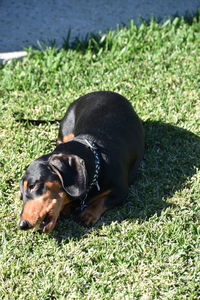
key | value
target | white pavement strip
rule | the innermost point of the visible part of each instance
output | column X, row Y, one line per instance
column 9, row 56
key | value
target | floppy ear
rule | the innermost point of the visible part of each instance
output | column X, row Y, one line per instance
column 72, row 173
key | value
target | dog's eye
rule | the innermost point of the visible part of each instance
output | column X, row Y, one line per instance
column 32, row 186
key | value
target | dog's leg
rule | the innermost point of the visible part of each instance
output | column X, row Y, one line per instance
column 101, row 203
column 133, row 172
column 65, row 139
column 95, row 209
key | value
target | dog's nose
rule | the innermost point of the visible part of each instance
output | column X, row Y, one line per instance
column 24, row 225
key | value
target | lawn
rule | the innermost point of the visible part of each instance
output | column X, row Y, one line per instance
column 148, row 248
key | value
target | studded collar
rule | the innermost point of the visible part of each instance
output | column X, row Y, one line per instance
column 93, row 147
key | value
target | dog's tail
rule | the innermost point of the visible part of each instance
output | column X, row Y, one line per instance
column 19, row 118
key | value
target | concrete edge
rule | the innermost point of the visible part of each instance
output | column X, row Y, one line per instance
column 9, row 56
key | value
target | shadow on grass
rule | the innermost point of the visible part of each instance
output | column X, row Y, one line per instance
column 172, row 154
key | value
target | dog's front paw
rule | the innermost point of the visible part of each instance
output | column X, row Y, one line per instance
column 88, row 217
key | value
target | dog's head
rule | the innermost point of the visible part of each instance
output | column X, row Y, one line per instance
column 50, row 183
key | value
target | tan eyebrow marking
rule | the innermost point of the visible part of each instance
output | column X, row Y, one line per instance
column 25, row 184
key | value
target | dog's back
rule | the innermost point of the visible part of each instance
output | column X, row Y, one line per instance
column 107, row 117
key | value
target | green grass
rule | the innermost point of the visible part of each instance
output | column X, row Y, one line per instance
column 147, row 249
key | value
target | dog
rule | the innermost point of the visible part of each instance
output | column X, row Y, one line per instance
column 100, row 145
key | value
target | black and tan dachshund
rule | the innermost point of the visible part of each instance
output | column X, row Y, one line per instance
column 99, row 147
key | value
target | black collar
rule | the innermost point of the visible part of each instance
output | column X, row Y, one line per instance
column 93, row 147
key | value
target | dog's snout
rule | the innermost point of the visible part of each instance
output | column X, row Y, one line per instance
column 24, row 225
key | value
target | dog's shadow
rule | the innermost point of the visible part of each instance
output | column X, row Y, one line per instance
column 171, row 156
